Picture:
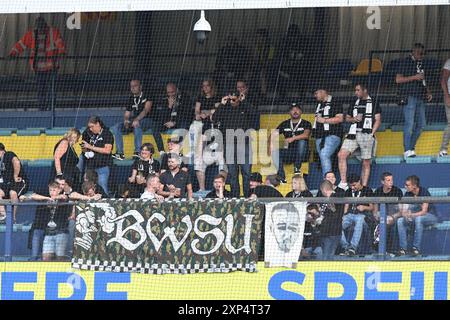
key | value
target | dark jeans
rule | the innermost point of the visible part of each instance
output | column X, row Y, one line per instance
column 329, row 246
column 46, row 86
column 36, row 244
column 245, row 169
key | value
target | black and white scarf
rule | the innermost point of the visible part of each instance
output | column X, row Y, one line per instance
column 367, row 119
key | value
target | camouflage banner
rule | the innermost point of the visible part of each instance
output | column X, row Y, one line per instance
column 169, row 237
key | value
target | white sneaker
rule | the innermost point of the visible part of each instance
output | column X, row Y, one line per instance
column 412, row 154
column 443, row 153
column 343, row 186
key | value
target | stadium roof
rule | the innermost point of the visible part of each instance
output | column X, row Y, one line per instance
column 35, row 6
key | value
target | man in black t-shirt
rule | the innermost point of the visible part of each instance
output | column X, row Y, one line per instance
column 327, row 128
column 137, row 120
column 173, row 146
column 296, row 132
column 414, row 93
column 173, row 110
column 387, row 189
column 175, row 183
column 419, row 215
column 97, row 145
column 13, row 182
column 355, row 214
column 219, row 191
column 142, row 167
column 365, row 119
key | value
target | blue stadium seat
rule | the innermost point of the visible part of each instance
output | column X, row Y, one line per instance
column 419, row 159
column 438, row 192
column 384, row 126
column 7, row 131
column 29, row 132
column 397, row 127
column 445, row 159
column 389, row 160
column 435, row 127
column 56, row 131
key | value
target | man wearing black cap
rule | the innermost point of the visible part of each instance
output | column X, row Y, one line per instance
column 296, row 133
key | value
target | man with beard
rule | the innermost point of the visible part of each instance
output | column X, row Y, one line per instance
column 175, row 183
column 296, row 133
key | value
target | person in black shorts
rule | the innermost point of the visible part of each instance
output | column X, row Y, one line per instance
column 13, row 181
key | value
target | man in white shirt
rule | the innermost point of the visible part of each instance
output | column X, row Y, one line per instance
column 445, row 84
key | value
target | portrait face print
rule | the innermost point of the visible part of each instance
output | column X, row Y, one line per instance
column 285, row 226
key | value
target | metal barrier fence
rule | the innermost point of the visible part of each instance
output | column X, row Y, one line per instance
column 382, row 201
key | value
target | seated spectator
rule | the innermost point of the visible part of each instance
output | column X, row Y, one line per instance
column 269, row 189
column 219, row 191
column 331, row 177
column 296, row 132
column 173, row 110
column 13, row 181
column 51, row 224
column 141, row 168
column 387, row 189
column 331, row 226
column 136, row 119
column 65, row 159
column 417, row 215
column 355, row 215
column 175, row 183
column 311, row 235
column 152, row 188
column 254, row 181
column 365, row 119
column 174, row 145
column 205, row 103
column 91, row 175
column 299, row 188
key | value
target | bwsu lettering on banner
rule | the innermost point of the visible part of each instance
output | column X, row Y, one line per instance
column 169, row 237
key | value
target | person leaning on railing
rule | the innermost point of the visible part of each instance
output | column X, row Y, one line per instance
column 49, row 231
